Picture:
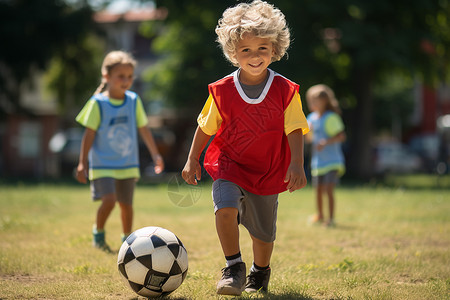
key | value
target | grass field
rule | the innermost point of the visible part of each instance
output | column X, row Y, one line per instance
column 391, row 242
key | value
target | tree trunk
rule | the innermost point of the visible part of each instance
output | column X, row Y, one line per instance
column 360, row 162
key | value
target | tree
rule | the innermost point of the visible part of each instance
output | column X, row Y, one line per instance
column 74, row 73
column 33, row 32
column 190, row 58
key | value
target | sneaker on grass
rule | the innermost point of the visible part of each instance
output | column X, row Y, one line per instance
column 99, row 241
column 257, row 281
column 232, row 281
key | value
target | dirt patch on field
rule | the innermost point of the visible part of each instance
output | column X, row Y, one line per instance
column 27, row 278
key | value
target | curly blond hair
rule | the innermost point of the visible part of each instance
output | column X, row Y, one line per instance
column 258, row 18
column 111, row 60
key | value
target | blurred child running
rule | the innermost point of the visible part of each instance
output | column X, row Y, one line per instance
column 113, row 118
column 327, row 160
column 257, row 118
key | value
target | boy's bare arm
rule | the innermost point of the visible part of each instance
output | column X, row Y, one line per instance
column 192, row 170
column 338, row 138
column 295, row 175
column 86, row 144
column 149, row 141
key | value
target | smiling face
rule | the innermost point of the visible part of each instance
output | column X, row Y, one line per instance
column 120, row 78
column 254, row 55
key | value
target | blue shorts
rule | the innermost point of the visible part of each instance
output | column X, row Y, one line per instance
column 257, row 213
column 122, row 188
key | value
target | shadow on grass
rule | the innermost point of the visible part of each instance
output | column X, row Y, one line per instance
column 283, row 296
column 344, row 227
column 161, row 297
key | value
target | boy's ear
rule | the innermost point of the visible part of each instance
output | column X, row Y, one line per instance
column 233, row 58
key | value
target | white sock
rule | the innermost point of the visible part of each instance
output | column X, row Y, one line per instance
column 255, row 269
column 234, row 260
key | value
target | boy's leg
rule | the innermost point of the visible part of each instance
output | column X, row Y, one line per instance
column 319, row 202
column 228, row 230
column 317, row 182
column 104, row 210
column 262, row 252
column 259, row 215
column 233, row 276
column 226, row 196
column 331, row 179
column 258, row 279
column 102, row 189
column 125, row 193
column 331, row 204
column 126, row 215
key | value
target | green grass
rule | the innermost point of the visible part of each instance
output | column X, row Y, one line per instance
column 391, row 242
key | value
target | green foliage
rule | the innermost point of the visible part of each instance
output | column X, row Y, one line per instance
column 33, row 32
column 394, row 98
column 190, row 57
column 74, row 72
column 335, row 39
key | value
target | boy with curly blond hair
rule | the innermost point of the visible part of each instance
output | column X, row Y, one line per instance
column 257, row 152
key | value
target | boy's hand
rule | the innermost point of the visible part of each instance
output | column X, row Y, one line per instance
column 192, row 172
column 322, row 143
column 159, row 164
column 81, row 174
column 295, row 177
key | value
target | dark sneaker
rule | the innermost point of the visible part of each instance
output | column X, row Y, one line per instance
column 257, row 281
column 232, row 281
column 99, row 242
column 124, row 237
column 330, row 223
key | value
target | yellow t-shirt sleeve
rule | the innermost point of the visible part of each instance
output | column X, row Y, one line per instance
column 89, row 116
column 141, row 116
column 334, row 125
column 209, row 119
column 294, row 118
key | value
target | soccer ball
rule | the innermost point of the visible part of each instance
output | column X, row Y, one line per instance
column 153, row 261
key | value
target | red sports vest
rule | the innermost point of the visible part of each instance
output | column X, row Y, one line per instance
column 250, row 147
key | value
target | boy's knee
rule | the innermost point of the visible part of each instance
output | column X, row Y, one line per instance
column 227, row 213
column 260, row 242
column 109, row 200
column 125, row 206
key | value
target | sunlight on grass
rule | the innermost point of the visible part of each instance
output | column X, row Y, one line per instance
column 391, row 242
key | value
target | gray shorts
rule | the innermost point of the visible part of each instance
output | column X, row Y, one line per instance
column 256, row 213
column 122, row 188
column 328, row 178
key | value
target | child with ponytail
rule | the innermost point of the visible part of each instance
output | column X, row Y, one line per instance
column 109, row 156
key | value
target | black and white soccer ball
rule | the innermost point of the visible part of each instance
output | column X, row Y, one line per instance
column 153, row 261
